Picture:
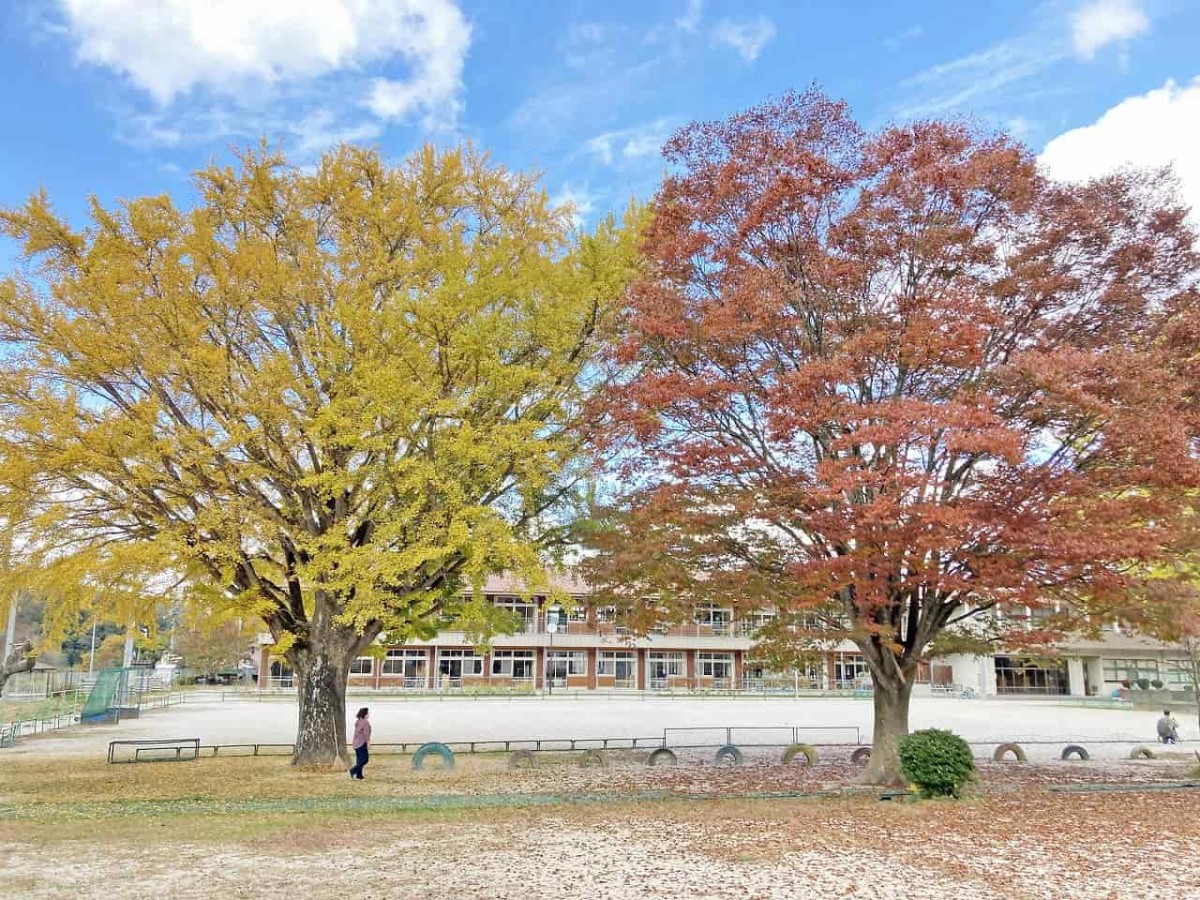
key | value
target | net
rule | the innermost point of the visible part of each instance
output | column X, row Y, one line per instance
column 102, row 702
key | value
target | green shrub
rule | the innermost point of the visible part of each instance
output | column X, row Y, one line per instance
column 938, row 762
column 1144, row 683
column 1156, row 684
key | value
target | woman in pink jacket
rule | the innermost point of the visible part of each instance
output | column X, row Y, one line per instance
column 362, row 738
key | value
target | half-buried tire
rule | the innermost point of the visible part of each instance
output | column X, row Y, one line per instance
column 591, row 759
column 1141, row 753
column 1003, row 750
column 1074, row 750
column 522, row 759
column 861, row 756
column 662, row 757
column 808, row 752
column 728, row 754
column 434, row 748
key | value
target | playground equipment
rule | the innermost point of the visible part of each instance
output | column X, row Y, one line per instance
column 123, row 692
column 104, row 702
column 433, row 748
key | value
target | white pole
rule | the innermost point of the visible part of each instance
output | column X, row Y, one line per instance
column 10, row 636
column 92, row 655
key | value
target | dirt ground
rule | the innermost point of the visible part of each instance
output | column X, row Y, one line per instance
column 1105, row 731
column 258, row 828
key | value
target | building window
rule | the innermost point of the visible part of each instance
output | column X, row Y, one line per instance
column 714, row 617
column 1040, row 615
column 620, row 665
column 456, row 664
column 515, row 664
column 661, row 666
column 750, row 624
column 718, row 666
column 1177, row 674
column 563, row 663
column 363, row 665
column 850, row 670
column 409, row 663
column 524, row 610
column 280, row 673
column 1027, row 676
column 1118, row 670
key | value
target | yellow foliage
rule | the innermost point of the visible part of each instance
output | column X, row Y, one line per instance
column 325, row 397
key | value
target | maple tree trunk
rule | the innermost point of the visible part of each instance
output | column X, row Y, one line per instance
column 892, row 698
column 321, row 675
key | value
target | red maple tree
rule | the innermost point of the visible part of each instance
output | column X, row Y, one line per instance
column 896, row 378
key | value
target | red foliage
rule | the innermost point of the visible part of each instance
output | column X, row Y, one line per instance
column 900, row 373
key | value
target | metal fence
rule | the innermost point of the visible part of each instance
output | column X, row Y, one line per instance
column 22, row 715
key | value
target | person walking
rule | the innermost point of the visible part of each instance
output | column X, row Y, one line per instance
column 360, row 743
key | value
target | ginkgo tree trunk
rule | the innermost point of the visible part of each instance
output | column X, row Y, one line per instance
column 326, row 396
column 900, row 375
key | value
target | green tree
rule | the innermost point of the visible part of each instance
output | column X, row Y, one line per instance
column 325, row 397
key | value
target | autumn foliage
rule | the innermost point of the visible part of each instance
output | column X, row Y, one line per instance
column 895, row 378
column 325, row 397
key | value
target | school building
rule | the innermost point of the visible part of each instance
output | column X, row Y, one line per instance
column 583, row 647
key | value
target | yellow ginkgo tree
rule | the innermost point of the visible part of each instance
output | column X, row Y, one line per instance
column 327, row 396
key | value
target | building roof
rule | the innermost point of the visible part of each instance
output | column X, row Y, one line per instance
column 509, row 583
column 1110, row 641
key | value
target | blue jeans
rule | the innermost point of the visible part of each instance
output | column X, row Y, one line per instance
column 361, row 758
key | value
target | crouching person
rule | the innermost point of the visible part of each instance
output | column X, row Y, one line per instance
column 1168, row 728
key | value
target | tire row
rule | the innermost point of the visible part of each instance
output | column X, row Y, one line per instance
column 732, row 755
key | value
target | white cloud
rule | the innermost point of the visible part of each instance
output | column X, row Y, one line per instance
column 578, row 201
column 1018, row 68
column 1099, row 23
column 978, row 79
column 595, row 96
column 250, row 53
column 630, row 144
column 690, row 20
column 1153, row 129
column 904, row 36
column 747, row 37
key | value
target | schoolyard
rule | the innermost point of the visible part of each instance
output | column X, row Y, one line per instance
column 72, row 825
column 1108, row 732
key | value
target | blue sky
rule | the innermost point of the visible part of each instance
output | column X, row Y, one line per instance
column 120, row 98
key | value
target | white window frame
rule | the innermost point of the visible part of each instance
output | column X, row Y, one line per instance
column 576, row 661
column 503, row 663
column 1119, row 669
column 1177, row 674
column 706, row 664
column 403, row 657
column 606, row 664
column 854, row 663
column 526, row 609
column 466, row 657
column 674, row 661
